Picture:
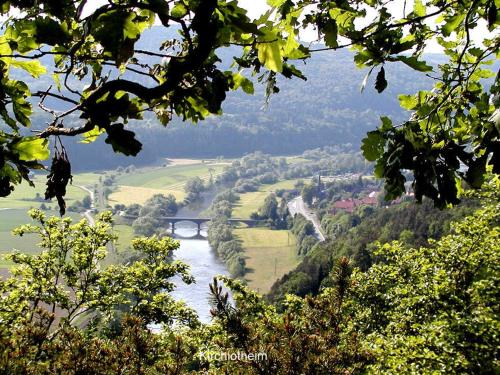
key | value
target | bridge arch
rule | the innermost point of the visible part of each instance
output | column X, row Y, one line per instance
column 173, row 220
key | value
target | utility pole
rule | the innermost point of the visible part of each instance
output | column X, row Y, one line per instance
column 275, row 262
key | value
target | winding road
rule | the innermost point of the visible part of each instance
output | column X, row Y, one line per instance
column 88, row 213
column 297, row 206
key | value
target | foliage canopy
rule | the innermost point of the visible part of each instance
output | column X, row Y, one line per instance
column 432, row 309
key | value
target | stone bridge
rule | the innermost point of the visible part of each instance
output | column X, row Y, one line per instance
column 199, row 221
column 172, row 220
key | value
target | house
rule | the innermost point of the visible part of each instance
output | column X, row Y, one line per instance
column 344, row 205
column 369, row 201
column 349, row 205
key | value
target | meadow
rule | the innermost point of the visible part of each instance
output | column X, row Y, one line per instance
column 140, row 185
column 25, row 196
column 125, row 235
column 269, row 254
column 296, row 160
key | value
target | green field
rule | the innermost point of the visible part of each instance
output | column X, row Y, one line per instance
column 250, row 202
column 125, row 235
column 165, row 177
column 296, row 160
column 269, row 254
column 25, row 196
column 140, row 185
column 13, row 218
column 14, row 208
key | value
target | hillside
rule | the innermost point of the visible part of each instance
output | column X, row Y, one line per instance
column 357, row 235
column 333, row 111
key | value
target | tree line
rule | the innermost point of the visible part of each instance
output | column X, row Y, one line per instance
column 220, row 234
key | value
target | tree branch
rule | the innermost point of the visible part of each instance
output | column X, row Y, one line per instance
column 55, row 130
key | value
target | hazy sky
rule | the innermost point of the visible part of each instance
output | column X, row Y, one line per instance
column 254, row 7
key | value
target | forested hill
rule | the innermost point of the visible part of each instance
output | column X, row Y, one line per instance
column 326, row 109
column 356, row 235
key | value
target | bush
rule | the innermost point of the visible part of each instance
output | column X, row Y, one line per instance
column 133, row 210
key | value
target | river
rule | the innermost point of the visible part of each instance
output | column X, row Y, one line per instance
column 204, row 265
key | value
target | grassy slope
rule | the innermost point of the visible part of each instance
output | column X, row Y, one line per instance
column 125, row 235
column 23, row 197
column 139, row 186
column 263, row 249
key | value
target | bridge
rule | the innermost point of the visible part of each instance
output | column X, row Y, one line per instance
column 172, row 220
column 199, row 221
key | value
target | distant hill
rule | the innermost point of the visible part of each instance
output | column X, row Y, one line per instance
column 327, row 109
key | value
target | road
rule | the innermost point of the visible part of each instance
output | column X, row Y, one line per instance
column 297, row 206
column 88, row 213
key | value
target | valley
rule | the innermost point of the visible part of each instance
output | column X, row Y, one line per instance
column 130, row 185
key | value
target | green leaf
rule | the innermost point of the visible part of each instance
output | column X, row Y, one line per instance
column 362, row 57
column 416, row 64
column 8, row 120
column 5, row 50
column 293, row 49
column 344, row 18
column 379, row 169
column 419, row 8
column 269, row 54
column 57, row 81
column 179, row 10
column 373, row 145
column 275, row 3
column 452, row 24
column 492, row 16
column 92, row 135
column 123, row 140
column 476, row 172
column 51, row 32
column 131, row 30
column 458, row 185
column 33, row 67
column 330, row 30
column 408, row 102
column 244, row 83
column 290, row 70
column 386, row 123
column 22, row 111
column 438, row 145
column 31, row 148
